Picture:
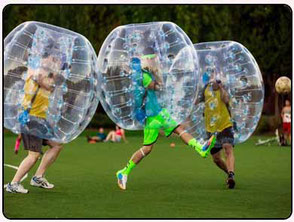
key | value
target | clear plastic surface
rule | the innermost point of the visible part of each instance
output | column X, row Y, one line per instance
column 166, row 52
column 232, row 65
column 50, row 82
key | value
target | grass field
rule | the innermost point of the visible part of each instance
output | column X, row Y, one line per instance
column 169, row 183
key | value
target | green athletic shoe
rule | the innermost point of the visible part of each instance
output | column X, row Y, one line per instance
column 204, row 149
column 208, row 145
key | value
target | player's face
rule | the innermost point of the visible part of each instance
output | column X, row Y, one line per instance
column 214, row 84
column 47, row 68
column 150, row 61
column 51, row 62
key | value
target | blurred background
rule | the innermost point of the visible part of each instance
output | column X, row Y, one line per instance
column 265, row 30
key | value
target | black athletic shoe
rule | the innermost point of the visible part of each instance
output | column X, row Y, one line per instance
column 230, row 181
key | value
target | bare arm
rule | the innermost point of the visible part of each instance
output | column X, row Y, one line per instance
column 282, row 113
column 123, row 135
column 224, row 94
column 200, row 97
column 154, row 86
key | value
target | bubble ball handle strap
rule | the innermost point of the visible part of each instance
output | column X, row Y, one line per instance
column 139, row 91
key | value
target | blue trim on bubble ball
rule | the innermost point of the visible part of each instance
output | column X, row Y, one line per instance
column 140, row 115
column 205, row 78
column 34, row 62
column 24, row 117
column 138, row 90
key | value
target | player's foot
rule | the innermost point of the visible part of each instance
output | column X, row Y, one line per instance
column 122, row 179
column 230, row 181
column 204, row 149
column 208, row 145
column 16, row 188
column 41, row 182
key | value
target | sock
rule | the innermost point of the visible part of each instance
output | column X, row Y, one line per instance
column 129, row 167
column 231, row 174
column 194, row 143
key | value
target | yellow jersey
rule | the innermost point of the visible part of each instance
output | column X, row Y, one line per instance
column 39, row 106
column 216, row 114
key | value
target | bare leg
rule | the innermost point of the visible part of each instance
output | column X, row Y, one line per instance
column 219, row 161
column 230, row 159
column 113, row 137
column 186, row 137
column 288, row 138
column 96, row 138
column 26, row 165
column 122, row 174
column 141, row 153
column 48, row 158
column 284, row 139
column 109, row 135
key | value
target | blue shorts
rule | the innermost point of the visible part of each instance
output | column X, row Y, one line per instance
column 117, row 138
column 225, row 136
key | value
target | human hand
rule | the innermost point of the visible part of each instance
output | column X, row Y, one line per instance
column 158, row 87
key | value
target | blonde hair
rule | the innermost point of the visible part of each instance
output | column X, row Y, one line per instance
column 152, row 66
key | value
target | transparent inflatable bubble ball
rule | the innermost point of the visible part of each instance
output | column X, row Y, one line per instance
column 50, row 82
column 231, row 91
column 130, row 56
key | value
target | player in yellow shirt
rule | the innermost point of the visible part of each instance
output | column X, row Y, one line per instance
column 218, row 120
column 38, row 87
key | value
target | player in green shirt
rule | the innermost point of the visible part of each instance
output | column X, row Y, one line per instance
column 157, row 118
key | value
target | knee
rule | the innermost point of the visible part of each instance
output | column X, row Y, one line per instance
column 58, row 146
column 34, row 156
column 216, row 159
column 179, row 129
column 228, row 149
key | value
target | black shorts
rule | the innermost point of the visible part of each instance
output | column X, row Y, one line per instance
column 33, row 143
column 38, row 127
column 225, row 136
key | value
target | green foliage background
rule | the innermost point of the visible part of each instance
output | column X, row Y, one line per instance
column 266, row 30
